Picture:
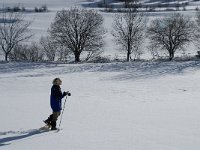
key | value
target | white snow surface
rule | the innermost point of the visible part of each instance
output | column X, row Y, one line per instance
column 114, row 106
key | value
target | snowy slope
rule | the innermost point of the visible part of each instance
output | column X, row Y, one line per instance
column 116, row 106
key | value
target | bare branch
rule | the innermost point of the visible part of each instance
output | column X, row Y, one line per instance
column 171, row 33
column 13, row 30
column 129, row 32
column 78, row 30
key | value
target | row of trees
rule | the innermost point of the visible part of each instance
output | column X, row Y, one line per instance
column 169, row 5
column 43, row 8
column 80, row 32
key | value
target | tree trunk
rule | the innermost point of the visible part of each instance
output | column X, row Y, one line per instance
column 128, row 55
column 6, row 56
column 77, row 57
column 129, row 51
column 171, row 56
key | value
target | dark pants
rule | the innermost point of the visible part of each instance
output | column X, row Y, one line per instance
column 52, row 119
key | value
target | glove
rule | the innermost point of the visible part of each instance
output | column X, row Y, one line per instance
column 65, row 93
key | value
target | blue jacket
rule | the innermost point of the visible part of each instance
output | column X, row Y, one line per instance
column 56, row 98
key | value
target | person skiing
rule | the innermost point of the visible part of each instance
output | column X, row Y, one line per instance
column 56, row 103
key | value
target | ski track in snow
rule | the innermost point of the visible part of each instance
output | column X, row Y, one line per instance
column 17, row 136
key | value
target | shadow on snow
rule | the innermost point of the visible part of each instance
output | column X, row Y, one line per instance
column 124, row 70
column 18, row 135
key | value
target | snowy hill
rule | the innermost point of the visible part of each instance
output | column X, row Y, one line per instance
column 115, row 106
column 139, row 105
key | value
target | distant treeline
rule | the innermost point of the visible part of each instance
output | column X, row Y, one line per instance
column 169, row 5
column 43, row 8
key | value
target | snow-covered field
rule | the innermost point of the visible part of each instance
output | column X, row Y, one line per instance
column 116, row 106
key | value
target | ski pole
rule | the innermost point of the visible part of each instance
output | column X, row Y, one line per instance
column 62, row 113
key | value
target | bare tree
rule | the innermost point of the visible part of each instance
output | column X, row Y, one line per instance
column 63, row 53
column 78, row 30
column 128, row 30
column 93, row 54
column 153, row 49
column 13, row 30
column 24, row 52
column 50, row 47
column 35, row 53
column 171, row 33
column 19, row 53
column 197, row 33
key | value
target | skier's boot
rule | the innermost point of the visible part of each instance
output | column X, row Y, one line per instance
column 53, row 125
column 49, row 120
